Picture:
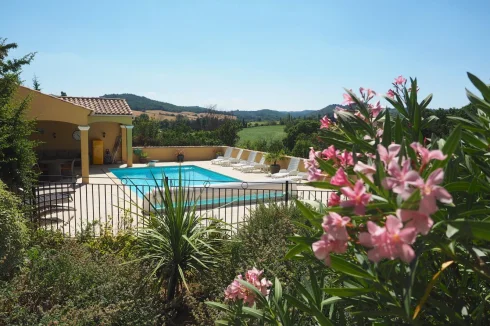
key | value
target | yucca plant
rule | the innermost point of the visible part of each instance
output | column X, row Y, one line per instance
column 175, row 241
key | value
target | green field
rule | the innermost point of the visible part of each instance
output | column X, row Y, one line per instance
column 263, row 132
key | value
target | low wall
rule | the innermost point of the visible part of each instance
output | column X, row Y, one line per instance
column 203, row 153
column 191, row 153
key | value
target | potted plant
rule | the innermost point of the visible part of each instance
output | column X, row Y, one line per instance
column 143, row 157
column 218, row 153
column 180, row 155
column 274, row 156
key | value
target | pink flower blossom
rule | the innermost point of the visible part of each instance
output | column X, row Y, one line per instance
column 375, row 109
column 389, row 242
column 325, row 122
column 345, row 158
column 430, row 191
column 400, row 80
column 401, row 178
column 361, row 90
column 234, row 290
column 326, row 245
column 425, row 155
column 418, row 220
column 371, row 93
column 340, row 179
column 367, row 170
column 237, row 291
column 348, row 99
column 357, row 197
column 315, row 174
column 387, row 155
column 311, row 161
column 334, row 200
column 390, row 93
column 334, row 224
column 337, row 109
column 330, row 153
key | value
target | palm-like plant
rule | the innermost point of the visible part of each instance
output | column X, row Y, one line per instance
column 175, row 240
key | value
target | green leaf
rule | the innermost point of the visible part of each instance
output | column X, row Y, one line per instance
column 326, row 166
column 323, row 185
column 330, row 300
column 399, row 107
column 481, row 86
column 252, row 312
column 343, row 266
column 311, row 215
column 218, row 306
column 387, row 130
column 295, row 250
column 297, row 303
column 398, row 130
column 478, row 102
column 347, row 292
column 452, row 143
column 478, row 229
column 277, row 290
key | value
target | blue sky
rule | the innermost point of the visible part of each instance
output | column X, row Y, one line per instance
column 283, row 55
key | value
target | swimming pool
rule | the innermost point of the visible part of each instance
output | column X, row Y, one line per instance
column 192, row 176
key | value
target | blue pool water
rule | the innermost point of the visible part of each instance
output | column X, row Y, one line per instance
column 192, row 176
column 142, row 180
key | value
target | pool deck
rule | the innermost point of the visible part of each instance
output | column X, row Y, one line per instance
column 105, row 201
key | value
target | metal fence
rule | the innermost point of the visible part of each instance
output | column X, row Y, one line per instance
column 109, row 205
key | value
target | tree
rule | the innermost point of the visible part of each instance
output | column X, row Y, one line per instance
column 63, row 93
column 17, row 155
column 36, row 84
column 228, row 132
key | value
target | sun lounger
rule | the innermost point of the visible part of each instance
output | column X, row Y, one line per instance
column 227, row 155
column 231, row 160
column 249, row 161
column 261, row 166
column 298, row 178
column 292, row 169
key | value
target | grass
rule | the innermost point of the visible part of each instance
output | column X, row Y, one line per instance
column 262, row 132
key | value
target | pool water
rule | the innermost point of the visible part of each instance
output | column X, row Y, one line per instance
column 191, row 175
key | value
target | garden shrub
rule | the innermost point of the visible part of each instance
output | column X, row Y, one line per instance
column 260, row 242
column 70, row 285
column 13, row 232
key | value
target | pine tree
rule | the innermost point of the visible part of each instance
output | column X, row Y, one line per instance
column 17, row 155
column 63, row 93
column 36, row 85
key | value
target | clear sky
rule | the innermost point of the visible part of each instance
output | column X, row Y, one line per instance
column 283, row 55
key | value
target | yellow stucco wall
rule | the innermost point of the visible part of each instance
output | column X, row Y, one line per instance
column 191, row 153
column 204, row 153
column 65, row 141
column 46, row 107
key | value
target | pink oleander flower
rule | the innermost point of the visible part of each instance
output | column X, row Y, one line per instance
column 418, row 220
column 357, row 197
column 375, row 109
column 311, row 161
column 325, row 122
column 340, row 179
column 237, row 291
column 425, row 155
column 387, row 155
column 389, row 242
column 348, row 99
column 326, row 245
column 400, row 80
column 330, row 153
column 390, row 93
column 371, row 93
column 430, row 191
column 337, row 109
column 253, row 277
column 334, row 200
column 334, row 225
column 367, row 170
column 233, row 291
column 345, row 158
column 315, row 174
column 401, row 178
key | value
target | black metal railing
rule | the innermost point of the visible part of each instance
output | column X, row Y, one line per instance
column 114, row 205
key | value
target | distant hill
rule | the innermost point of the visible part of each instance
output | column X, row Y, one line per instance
column 141, row 103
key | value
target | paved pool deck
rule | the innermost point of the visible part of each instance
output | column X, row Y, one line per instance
column 107, row 204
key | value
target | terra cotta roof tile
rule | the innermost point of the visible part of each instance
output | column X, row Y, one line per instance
column 101, row 105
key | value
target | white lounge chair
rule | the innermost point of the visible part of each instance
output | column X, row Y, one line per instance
column 231, row 160
column 227, row 155
column 261, row 166
column 300, row 177
column 249, row 161
column 292, row 169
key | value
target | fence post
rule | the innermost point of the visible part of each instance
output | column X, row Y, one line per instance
column 166, row 181
column 287, row 192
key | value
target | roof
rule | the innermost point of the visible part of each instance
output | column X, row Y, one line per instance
column 100, row 105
